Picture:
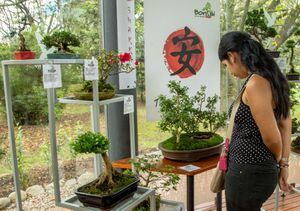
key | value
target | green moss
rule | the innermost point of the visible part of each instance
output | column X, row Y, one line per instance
column 121, row 181
column 187, row 142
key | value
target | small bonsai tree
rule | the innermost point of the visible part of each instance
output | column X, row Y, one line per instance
column 159, row 181
column 290, row 46
column 256, row 24
column 17, row 30
column 62, row 40
column 110, row 63
column 184, row 114
column 96, row 143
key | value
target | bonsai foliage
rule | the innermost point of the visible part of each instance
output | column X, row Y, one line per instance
column 159, row 181
column 21, row 25
column 109, row 63
column 184, row 114
column 98, row 144
column 177, row 111
column 256, row 24
column 62, row 40
column 291, row 45
column 213, row 120
column 113, row 63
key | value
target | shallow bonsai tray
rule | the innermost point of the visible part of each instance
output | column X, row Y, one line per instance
column 125, row 205
column 106, row 201
column 191, row 155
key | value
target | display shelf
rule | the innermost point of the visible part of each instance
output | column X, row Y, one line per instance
column 126, row 205
column 167, row 205
column 52, row 100
column 72, row 100
column 42, row 61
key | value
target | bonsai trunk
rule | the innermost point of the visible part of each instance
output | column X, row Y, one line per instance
column 22, row 44
column 291, row 61
column 177, row 134
column 108, row 174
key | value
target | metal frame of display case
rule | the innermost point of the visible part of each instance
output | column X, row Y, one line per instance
column 52, row 128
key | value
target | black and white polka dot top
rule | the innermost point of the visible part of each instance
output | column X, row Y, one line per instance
column 246, row 145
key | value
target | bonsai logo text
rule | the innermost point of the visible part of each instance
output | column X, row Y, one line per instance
column 206, row 12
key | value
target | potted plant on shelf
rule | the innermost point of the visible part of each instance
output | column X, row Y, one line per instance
column 291, row 45
column 23, row 52
column 256, row 24
column 111, row 186
column 109, row 63
column 159, row 181
column 296, row 145
column 62, row 40
column 183, row 116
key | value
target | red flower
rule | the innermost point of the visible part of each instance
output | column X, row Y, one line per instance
column 125, row 57
column 136, row 62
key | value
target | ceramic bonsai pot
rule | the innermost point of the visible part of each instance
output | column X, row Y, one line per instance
column 62, row 56
column 190, row 155
column 293, row 77
column 89, row 95
column 274, row 54
column 22, row 55
column 106, row 201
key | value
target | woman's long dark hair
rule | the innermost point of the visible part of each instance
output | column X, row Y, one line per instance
column 258, row 61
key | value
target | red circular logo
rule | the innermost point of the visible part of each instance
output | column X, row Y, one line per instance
column 184, row 53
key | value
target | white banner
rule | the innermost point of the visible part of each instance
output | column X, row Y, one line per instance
column 181, row 43
column 126, row 40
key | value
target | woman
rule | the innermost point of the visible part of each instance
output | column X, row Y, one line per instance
column 260, row 142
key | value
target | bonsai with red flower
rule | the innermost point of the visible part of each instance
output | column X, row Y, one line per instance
column 109, row 63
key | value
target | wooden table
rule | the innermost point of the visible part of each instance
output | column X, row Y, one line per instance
column 204, row 164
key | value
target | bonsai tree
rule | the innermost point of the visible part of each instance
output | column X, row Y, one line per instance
column 290, row 48
column 96, row 143
column 159, row 181
column 62, row 40
column 183, row 116
column 256, row 24
column 109, row 63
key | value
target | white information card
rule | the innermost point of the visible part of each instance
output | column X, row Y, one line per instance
column 90, row 70
column 128, row 104
column 189, row 168
column 52, row 76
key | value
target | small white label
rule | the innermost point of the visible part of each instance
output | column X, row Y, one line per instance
column 51, row 76
column 128, row 104
column 189, row 168
column 91, row 70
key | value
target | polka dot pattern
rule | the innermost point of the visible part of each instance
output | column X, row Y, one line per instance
column 246, row 146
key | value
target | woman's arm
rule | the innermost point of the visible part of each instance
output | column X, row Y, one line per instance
column 258, row 95
column 285, row 131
